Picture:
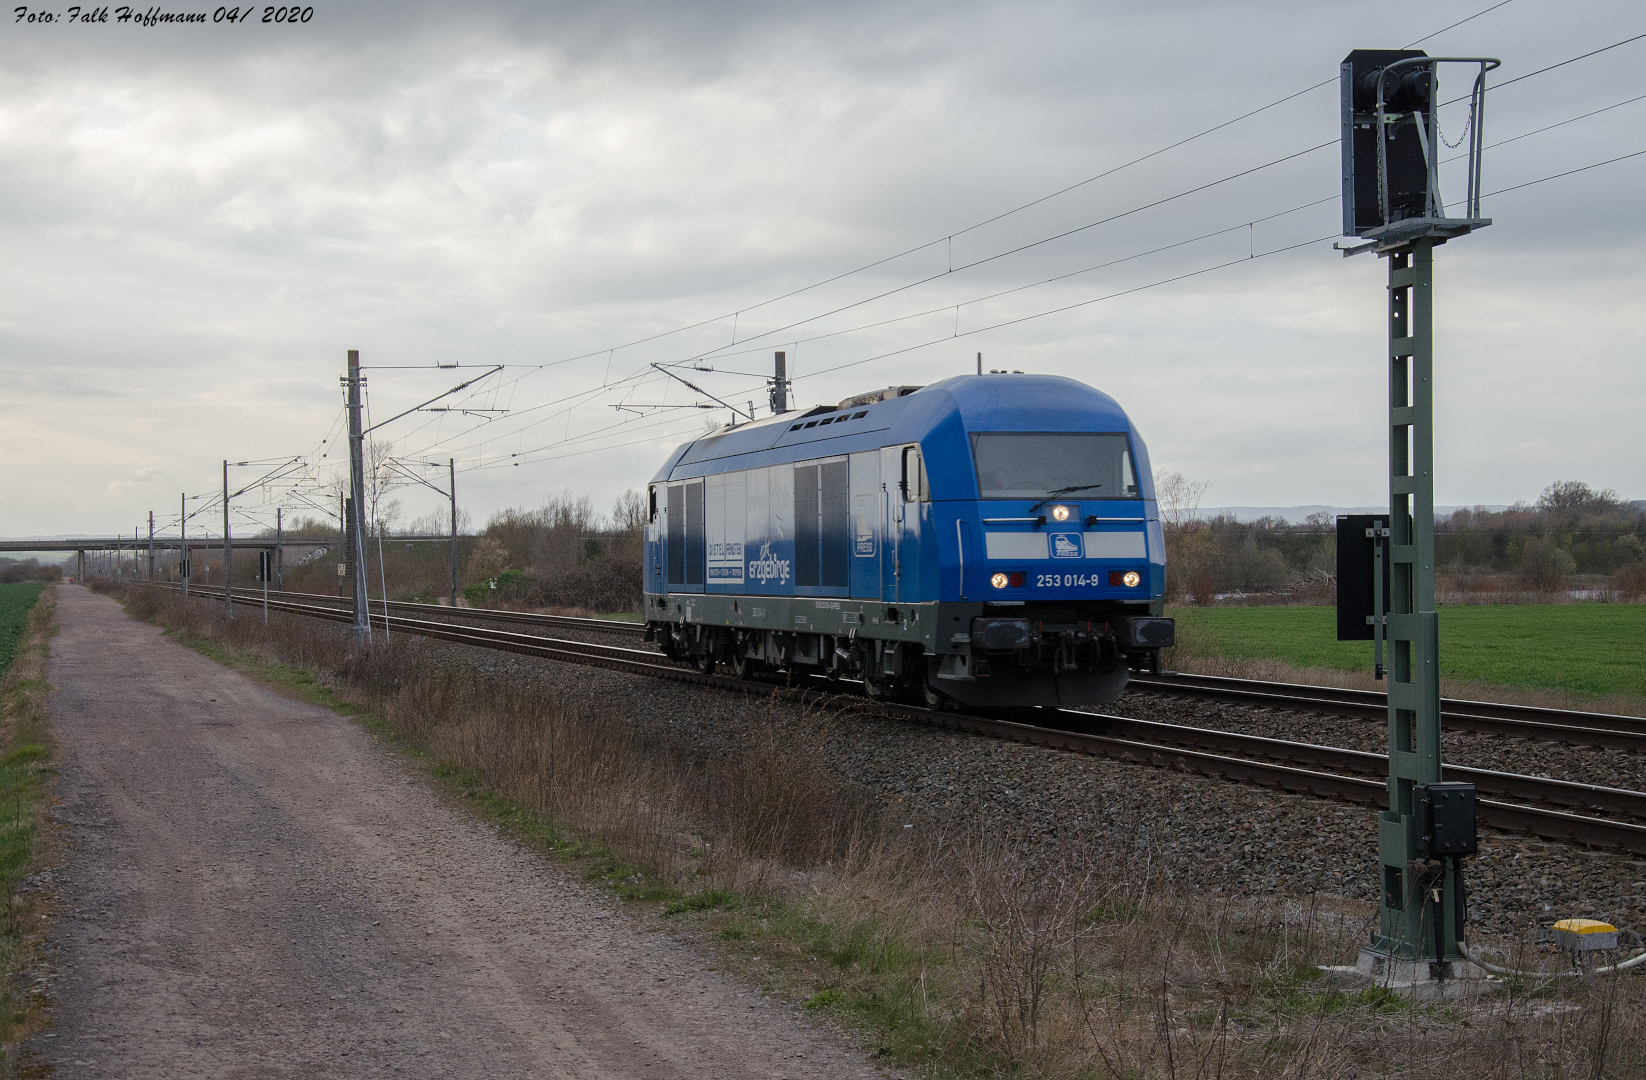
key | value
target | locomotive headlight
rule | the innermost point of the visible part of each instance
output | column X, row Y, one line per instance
column 1130, row 579
column 1060, row 513
column 999, row 581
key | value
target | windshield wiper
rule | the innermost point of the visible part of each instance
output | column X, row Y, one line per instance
column 1062, row 491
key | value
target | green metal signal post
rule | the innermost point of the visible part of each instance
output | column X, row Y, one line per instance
column 1392, row 204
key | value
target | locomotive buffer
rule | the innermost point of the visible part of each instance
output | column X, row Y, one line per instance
column 1392, row 205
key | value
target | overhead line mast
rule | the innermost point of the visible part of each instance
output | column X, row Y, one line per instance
column 357, row 496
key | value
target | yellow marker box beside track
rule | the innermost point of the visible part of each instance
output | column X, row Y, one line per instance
column 1583, row 935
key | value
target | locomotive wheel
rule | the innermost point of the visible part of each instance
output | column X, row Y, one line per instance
column 932, row 697
column 742, row 666
column 704, row 663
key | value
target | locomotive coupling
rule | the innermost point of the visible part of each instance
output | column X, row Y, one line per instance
column 1014, row 635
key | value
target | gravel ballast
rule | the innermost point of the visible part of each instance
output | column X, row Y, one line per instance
column 1204, row 835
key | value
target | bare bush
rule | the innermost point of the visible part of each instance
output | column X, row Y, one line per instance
column 13, row 571
column 1629, row 583
column 1030, row 923
column 1546, row 568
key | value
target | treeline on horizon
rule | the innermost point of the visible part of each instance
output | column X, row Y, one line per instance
column 565, row 554
column 1573, row 538
column 13, row 571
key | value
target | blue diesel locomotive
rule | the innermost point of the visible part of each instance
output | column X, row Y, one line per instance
column 990, row 540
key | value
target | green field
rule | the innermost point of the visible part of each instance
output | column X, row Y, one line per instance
column 15, row 602
column 1586, row 648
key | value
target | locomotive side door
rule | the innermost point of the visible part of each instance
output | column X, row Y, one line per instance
column 891, row 512
column 912, row 491
column 867, row 529
column 654, row 542
column 903, row 489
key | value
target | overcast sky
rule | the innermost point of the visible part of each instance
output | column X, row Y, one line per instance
column 200, row 220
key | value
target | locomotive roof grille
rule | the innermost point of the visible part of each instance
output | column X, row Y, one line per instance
column 831, row 420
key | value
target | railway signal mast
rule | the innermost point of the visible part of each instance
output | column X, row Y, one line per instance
column 1392, row 206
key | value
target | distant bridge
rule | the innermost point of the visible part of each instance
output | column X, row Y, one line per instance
column 200, row 543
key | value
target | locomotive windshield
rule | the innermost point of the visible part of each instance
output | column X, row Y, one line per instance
column 1036, row 465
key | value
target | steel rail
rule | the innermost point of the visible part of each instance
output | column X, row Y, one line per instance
column 528, row 618
column 1543, row 823
column 1564, row 793
column 1105, row 736
column 1525, row 721
column 1522, row 721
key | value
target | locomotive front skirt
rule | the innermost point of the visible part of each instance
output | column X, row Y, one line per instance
column 990, row 539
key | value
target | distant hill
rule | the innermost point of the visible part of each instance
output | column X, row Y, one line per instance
column 1296, row 515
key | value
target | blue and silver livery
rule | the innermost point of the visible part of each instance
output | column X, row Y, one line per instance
column 990, row 540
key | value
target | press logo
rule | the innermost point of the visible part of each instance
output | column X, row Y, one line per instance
column 864, row 537
column 1066, row 546
column 769, row 566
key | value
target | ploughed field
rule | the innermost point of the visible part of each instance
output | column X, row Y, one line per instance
column 1584, row 649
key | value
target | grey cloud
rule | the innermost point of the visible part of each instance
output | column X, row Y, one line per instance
column 530, row 182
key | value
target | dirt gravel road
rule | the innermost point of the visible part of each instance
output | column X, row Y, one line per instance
column 253, row 887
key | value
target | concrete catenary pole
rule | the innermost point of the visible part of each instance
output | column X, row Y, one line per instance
column 342, row 539
column 357, row 488
column 151, row 547
column 228, row 549
column 780, row 383
column 451, row 466
column 279, row 551
column 183, row 541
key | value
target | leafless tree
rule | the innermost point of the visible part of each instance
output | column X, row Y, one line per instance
column 1179, row 499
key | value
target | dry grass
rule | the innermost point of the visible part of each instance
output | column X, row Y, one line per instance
column 25, row 757
column 969, row 953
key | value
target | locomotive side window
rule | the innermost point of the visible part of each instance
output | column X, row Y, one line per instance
column 914, row 475
column 694, row 533
column 1042, row 465
column 677, row 534
column 805, row 525
column 652, row 492
column 835, row 514
column 822, row 524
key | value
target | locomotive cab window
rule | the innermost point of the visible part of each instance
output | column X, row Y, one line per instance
column 914, row 475
column 652, row 492
column 1046, row 465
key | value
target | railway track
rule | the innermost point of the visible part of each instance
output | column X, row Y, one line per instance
column 1323, row 771
column 436, row 611
column 1523, row 721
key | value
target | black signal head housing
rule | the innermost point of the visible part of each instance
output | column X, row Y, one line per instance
column 1408, row 94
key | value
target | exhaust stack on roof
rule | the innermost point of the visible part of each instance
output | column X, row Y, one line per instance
column 874, row 396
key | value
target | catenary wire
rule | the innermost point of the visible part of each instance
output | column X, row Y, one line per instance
column 1152, row 251
column 996, row 217
column 439, row 442
column 1540, row 71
